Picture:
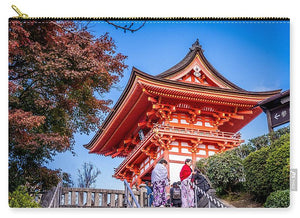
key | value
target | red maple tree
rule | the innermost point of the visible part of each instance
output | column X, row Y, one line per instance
column 56, row 71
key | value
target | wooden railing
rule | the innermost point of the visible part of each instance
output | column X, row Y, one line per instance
column 197, row 132
column 130, row 198
column 97, row 198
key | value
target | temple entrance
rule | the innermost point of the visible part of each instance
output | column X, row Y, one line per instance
column 189, row 111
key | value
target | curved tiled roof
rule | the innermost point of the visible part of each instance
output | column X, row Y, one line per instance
column 163, row 80
column 194, row 50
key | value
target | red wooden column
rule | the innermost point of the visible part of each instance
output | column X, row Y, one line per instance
column 166, row 157
column 194, row 158
column 194, row 149
column 139, row 181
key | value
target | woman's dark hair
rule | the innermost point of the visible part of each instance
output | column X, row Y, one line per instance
column 187, row 160
column 163, row 161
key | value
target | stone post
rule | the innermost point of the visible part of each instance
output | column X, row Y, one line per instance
column 142, row 191
column 104, row 199
column 89, row 198
column 80, row 198
column 120, row 200
column 96, row 203
column 73, row 198
column 112, row 200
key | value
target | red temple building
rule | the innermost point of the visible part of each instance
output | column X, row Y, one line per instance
column 188, row 111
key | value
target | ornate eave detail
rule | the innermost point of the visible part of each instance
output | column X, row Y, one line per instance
column 196, row 45
column 162, row 137
column 144, row 90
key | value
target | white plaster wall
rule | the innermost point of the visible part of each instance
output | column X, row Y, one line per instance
column 202, row 152
column 174, row 172
column 210, row 153
column 178, row 157
column 198, row 158
column 212, row 147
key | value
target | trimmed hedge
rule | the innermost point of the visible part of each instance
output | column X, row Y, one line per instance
column 277, row 199
column 268, row 169
column 257, row 180
column 225, row 170
column 260, row 167
column 278, row 166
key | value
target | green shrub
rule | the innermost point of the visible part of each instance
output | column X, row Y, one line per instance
column 225, row 170
column 268, row 169
column 266, row 140
column 278, row 164
column 243, row 150
column 20, row 198
column 281, row 141
column 202, row 165
column 257, row 180
column 277, row 199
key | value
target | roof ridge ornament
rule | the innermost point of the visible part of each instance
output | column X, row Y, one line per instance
column 196, row 45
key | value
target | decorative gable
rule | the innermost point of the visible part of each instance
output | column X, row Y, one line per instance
column 195, row 68
column 197, row 73
column 197, row 76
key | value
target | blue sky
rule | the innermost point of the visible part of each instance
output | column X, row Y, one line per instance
column 252, row 54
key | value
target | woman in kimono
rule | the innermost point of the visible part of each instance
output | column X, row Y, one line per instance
column 187, row 192
column 159, row 179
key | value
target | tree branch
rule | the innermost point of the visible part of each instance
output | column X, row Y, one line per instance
column 126, row 28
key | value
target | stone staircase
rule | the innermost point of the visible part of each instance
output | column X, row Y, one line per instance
column 64, row 197
column 208, row 199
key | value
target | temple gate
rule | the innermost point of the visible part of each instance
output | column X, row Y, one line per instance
column 188, row 111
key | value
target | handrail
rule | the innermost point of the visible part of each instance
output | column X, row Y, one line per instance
column 210, row 198
column 192, row 131
column 195, row 131
column 135, row 149
column 127, row 188
column 55, row 195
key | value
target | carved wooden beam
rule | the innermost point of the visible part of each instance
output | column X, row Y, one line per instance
column 245, row 112
column 136, row 170
column 230, row 123
column 146, row 150
column 150, row 152
column 222, row 146
column 153, row 154
column 126, row 141
column 238, row 117
column 149, row 124
column 192, row 117
column 151, row 99
column 152, row 112
column 143, row 123
column 115, row 154
column 156, row 106
column 119, row 151
column 162, row 141
column 109, row 153
column 129, row 166
column 195, row 144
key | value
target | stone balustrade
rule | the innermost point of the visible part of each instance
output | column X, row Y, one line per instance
column 97, row 198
